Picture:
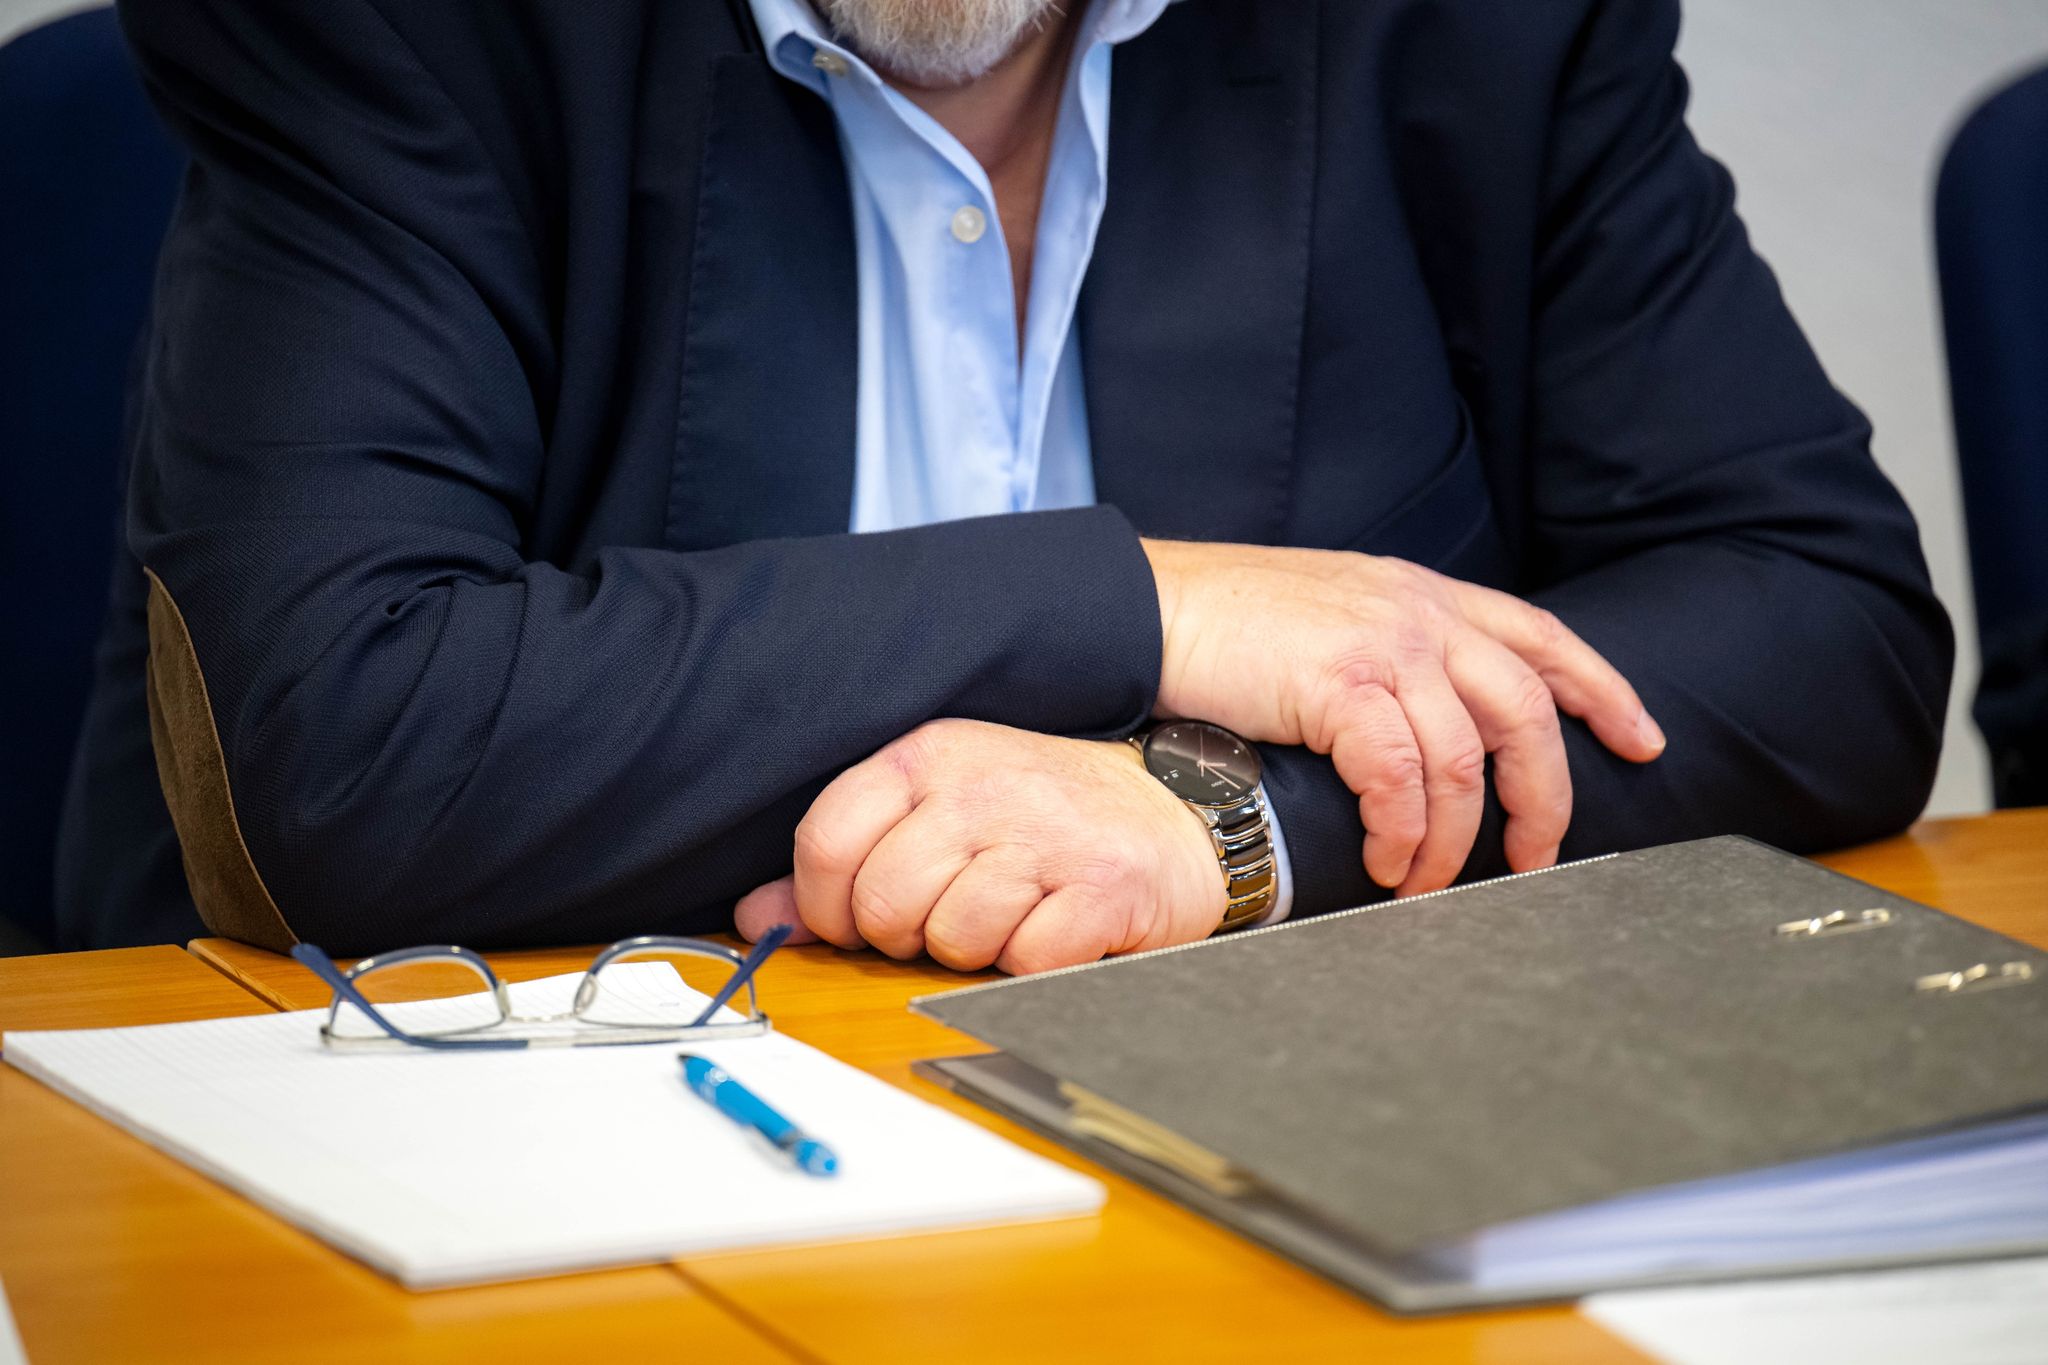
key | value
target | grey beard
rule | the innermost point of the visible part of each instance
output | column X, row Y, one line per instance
column 935, row 42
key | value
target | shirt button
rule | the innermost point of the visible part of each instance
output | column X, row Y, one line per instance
column 969, row 223
column 831, row 63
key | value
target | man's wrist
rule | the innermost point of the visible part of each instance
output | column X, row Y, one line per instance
column 1213, row 775
column 1197, row 839
column 1164, row 557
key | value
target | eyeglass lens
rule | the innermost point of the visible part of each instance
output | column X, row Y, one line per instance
column 659, row 988
column 438, row 996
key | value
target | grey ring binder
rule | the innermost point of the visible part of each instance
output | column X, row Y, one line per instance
column 1452, row 1100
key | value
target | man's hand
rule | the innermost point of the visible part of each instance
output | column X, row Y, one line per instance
column 1407, row 679
column 981, row 844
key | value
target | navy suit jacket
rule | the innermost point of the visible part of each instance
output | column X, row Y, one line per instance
column 497, row 445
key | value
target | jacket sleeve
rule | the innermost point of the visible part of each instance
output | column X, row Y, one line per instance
column 429, row 734
column 1704, row 511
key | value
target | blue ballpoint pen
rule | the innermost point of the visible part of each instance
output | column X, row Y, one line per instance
column 743, row 1106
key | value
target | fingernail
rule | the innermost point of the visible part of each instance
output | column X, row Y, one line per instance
column 1649, row 734
column 1393, row 883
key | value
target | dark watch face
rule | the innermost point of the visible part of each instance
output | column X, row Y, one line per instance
column 1202, row 763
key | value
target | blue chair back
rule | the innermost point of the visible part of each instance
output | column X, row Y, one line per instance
column 1991, row 236
column 1991, row 227
column 87, row 180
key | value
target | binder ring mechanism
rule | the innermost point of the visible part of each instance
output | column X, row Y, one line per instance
column 1834, row 922
column 1984, row 976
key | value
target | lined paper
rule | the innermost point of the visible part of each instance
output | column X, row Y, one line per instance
column 444, row 1168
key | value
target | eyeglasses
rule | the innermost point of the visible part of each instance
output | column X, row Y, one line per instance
column 448, row 997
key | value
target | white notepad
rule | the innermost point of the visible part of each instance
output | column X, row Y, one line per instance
column 1988, row 1313
column 10, row 1340
column 444, row 1168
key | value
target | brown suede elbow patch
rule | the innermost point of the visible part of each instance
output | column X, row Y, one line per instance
column 190, row 763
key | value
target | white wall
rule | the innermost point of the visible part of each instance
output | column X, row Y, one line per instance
column 16, row 15
column 1832, row 114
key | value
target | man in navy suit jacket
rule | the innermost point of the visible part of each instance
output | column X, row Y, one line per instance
column 491, row 496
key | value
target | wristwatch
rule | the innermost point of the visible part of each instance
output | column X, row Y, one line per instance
column 1217, row 775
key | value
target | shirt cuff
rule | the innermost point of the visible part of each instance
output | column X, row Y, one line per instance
column 1283, row 871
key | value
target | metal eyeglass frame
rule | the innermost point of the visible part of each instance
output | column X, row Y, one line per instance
column 599, row 1033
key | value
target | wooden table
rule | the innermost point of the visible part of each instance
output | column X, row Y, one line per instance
column 111, row 1252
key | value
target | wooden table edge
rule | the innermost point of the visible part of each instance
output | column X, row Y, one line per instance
column 209, row 951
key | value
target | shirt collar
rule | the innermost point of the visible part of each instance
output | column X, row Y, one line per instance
column 1119, row 21
column 792, row 33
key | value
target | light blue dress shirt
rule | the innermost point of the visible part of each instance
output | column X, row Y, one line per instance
column 951, row 421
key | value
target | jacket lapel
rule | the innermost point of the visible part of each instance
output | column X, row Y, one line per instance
column 1192, row 316
column 765, row 427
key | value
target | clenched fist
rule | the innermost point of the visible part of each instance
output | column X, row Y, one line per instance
column 1407, row 679
column 979, row 845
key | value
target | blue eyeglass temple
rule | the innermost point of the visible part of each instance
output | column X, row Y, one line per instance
column 321, row 965
column 767, row 944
